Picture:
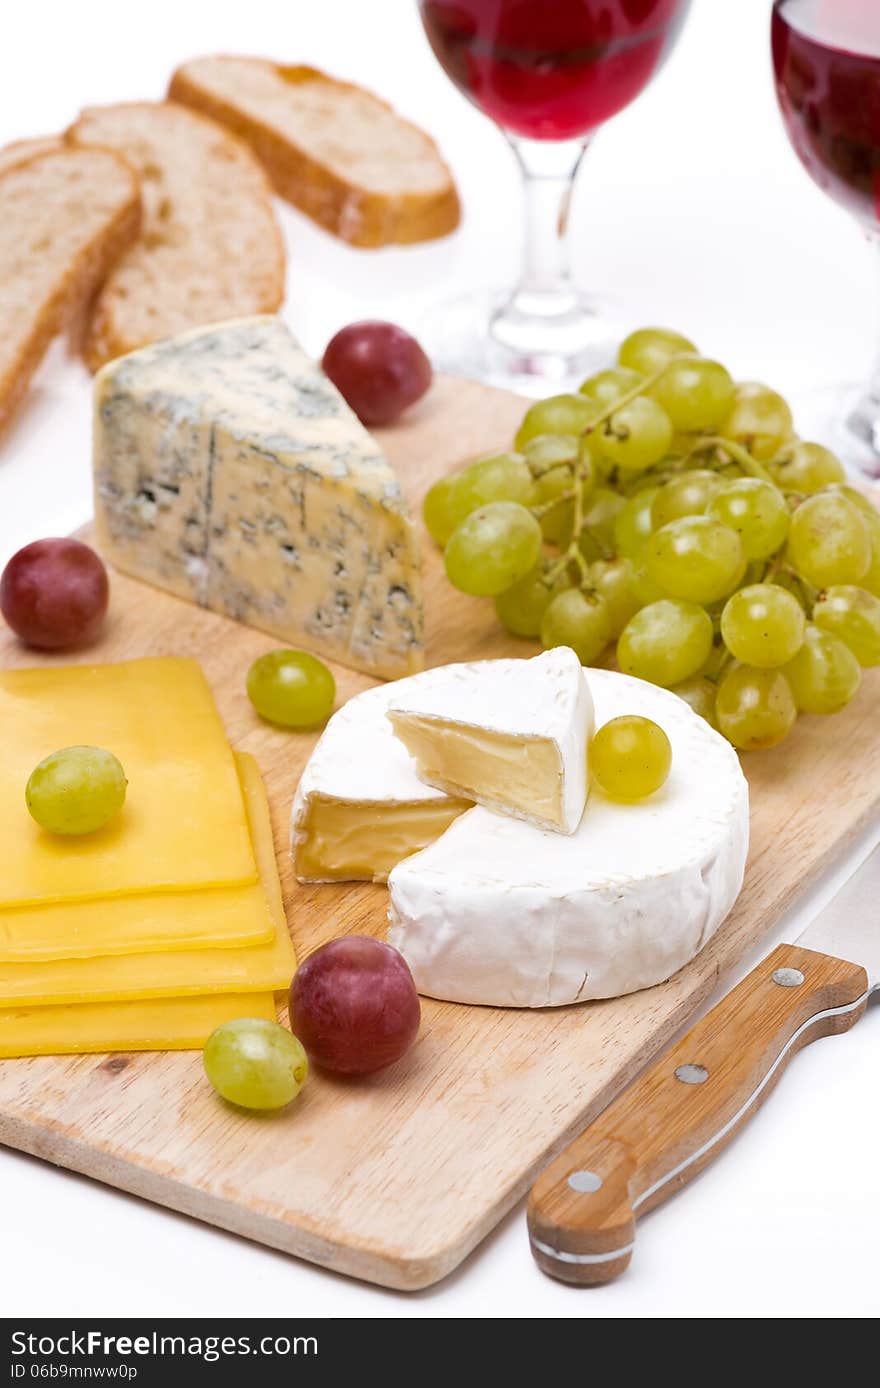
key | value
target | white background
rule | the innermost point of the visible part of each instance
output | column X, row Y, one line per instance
column 692, row 211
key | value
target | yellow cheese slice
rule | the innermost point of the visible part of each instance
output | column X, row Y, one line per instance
column 258, row 968
column 183, row 824
column 166, row 1024
column 224, row 917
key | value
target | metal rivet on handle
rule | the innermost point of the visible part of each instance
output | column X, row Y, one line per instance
column 692, row 1074
column 788, row 978
column 585, row 1182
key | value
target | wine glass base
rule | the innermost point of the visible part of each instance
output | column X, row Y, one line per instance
column 562, row 350
column 840, row 417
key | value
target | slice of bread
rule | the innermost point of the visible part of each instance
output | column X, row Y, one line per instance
column 210, row 247
column 332, row 149
column 65, row 218
column 19, row 150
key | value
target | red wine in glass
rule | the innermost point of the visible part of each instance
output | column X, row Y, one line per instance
column 826, row 62
column 551, row 71
column 548, row 73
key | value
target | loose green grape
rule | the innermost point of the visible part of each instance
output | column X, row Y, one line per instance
column 666, row 642
column 633, row 524
column 577, row 620
column 611, row 579
column 291, row 688
column 521, row 607
column 644, row 589
column 436, row 511
column 695, row 393
column 824, row 674
column 759, row 419
column 647, row 349
column 636, row 436
column 492, row 548
column 255, row 1063
column 853, row 615
column 829, row 540
column 687, row 495
column 763, row 625
column 559, row 414
column 607, row 386
column 630, row 757
column 754, row 708
column 600, row 513
column 555, row 489
column 699, row 692
column 756, row 510
column 695, row 558
column 806, row 467
column 76, row 790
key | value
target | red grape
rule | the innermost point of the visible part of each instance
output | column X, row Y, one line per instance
column 54, row 594
column 378, row 368
column 354, row 1006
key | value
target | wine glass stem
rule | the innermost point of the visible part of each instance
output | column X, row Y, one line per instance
column 545, row 312
column 864, row 421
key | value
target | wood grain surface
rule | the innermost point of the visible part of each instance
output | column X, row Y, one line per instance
column 395, row 1179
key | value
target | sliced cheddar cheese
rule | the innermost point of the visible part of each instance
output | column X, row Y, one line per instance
column 82, row 931
column 267, row 967
column 164, row 1024
column 183, row 825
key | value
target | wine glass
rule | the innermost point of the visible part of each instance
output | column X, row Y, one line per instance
column 549, row 73
column 826, row 62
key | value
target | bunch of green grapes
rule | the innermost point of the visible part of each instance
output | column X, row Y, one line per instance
column 674, row 511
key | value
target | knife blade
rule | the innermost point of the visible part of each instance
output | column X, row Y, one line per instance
column 684, row 1109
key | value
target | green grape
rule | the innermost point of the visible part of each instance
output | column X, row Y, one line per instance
column 498, row 477
column 559, row 414
column 666, row 642
column 610, row 578
column 255, row 1063
column 599, row 516
column 636, row 436
column 829, row 540
column 645, row 590
column 435, row 510
column 546, row 451
column 521, row 607
column 853, row 615
column 632, row 524
column 647, row 349
column 756, row 510
column 492, row 548
column 291, row 688
column 806, row 467
column 695, row 558
column 607, row 386
column 630, row 757
column 554, row 489
column 699, row 692
column 760, row 420
column 763, row 625
column 76, row 790
column 695, row 393
column 754, row 708
column 687, row 495
column 870, row 580
column 824, row 674
column 577, row 620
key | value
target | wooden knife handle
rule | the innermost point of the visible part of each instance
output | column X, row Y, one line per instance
column 683, row 1111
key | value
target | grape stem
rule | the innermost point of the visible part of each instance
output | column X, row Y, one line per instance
column 750, row 466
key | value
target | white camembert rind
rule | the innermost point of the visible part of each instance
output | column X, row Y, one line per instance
column 501, row 913
column 511, row 735
column 230, row 471
column 359, row 806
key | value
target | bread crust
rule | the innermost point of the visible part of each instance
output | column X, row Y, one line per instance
column 78, row 279
column 356, row 214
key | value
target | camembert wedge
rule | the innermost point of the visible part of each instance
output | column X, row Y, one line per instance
column 360, row 807
column 511, row 735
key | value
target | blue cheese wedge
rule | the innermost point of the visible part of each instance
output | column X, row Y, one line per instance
column 230, row 471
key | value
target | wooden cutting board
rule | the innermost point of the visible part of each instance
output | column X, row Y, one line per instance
column 396, row 1178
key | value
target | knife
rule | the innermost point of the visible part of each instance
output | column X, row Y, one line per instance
column 677, row 1116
